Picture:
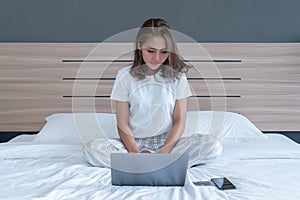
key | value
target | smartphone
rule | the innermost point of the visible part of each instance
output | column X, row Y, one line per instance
column 223, row 183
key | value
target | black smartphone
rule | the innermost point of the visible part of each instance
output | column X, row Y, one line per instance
column 223, row 183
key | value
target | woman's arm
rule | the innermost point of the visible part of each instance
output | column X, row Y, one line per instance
column 179, row 117
column 125, row 133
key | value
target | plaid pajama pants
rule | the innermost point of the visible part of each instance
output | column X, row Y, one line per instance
column 201, row 148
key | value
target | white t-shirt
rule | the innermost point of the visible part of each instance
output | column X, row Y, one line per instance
column 151, row 101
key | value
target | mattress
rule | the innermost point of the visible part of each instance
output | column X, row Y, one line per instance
column 265, row 169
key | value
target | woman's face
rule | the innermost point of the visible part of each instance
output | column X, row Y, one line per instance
column 154, row 52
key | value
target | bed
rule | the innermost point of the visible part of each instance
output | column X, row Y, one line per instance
column 61, row 92
column 267, row 169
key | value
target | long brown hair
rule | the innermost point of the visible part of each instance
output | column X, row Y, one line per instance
column 174, row 64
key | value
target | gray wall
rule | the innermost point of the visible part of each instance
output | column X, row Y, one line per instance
column 202, row 20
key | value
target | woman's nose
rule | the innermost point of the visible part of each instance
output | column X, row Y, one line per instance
column 156, row 56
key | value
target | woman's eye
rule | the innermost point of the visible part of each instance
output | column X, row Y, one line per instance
column 150, row 51
column 164, row 52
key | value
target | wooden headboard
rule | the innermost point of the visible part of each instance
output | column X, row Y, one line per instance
column 259, row 80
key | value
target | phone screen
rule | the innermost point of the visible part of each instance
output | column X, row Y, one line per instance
column 223, row 183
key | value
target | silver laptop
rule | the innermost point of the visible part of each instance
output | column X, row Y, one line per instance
column 148, row 169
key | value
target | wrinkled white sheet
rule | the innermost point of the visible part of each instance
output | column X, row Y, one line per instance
column 52, row 171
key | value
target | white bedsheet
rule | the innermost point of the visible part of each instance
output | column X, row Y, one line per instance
column 260, row 170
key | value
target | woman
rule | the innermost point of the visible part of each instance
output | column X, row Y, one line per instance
column 151, row 102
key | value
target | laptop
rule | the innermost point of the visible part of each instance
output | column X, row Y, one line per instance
column 148, row 169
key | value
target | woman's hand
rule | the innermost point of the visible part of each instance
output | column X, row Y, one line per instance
column 145, row 151
column 164, row 150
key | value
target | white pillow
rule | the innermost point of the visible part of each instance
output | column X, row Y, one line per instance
column 23, row 138
column 76, row 128
column 224, row 125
